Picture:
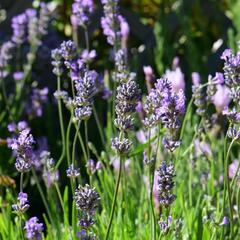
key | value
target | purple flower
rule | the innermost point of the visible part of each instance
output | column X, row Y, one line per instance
column 196, row 79
column 225, row 221
column 19, row 26
column 219, row 78
column 114, row 25
column 122, row 146
column 88, row 56
column 37, row 99
column 73, row 172
column 232, row 115
column 232, row 169
column 87, row 199
column 23, row 149
column 22, row 205
column 5, row 56
column 202, row 148
column 17, row 76
column 226, row 54
column 91, row 167
column 33, row 229
column 165, row 184
column 81, row 10
column 176, row 77
column 221, row 98
column 44, row 17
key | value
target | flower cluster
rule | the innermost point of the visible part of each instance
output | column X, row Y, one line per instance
column 33, row 229
column 165, row 184
column 114, row 25
column 68, row 51
column 81, row 10
column 23, row 149
column 128, row 94
column 19, row 26
column 87, row 201
column 5, row 55
column 37, row 99
column 22, row 204
column 56, row 55
column 85, row 84
column 72, row 172
column 232, row 73
column 30, row 26
column 50, row 174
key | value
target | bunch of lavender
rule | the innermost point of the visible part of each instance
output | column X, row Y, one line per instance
column 128, row 94
column 23, row 149
column 38, row 98
column 113, row 24
column 165, row 184
column 22, row 204
column 81, row 10
column 33, row 229
column 87, row 201
column 165, row 106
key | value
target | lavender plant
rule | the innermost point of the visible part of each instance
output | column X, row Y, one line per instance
column 118, row 148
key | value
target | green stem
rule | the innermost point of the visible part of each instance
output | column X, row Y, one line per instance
column 21, row 182
column 82, row 144
column 74, row 144
column 67, row 140
column 114, row 199
column 227, row 185
column 59, row 196
column 42, row 195
column 86, row 138
column 100, row 129
column 61, row 124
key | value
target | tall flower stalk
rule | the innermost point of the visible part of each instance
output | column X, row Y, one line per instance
column 128, row 94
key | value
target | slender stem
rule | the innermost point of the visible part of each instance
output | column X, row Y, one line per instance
column 67, row 140
column 82, row 144
column 59, row 196
column 86, row 138
column 74, row 144
column 227, row 185
column 42, row 195
column 21, row 182
column 86, row 38
column 100, row 129
column 114, row 198
column 61, row 124
column 5, row 98
column 21, row 230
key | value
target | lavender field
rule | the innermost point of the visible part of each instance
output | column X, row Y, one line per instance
column 119, row 120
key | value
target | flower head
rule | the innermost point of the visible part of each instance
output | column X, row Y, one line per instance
column 33, row 229
column 22, row 205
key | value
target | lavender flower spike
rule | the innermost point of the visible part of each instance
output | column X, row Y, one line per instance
column 22, row 205
column 23, row 149
column 33, row 229
column 165, row 184
column 81, row 10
